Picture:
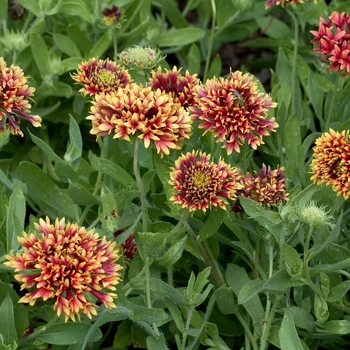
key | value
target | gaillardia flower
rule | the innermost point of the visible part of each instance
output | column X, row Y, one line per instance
column 101, row 76
column 181, row 87
column 270, row 3
column 332, row 40
column 14, row 93
column 111, row 16
column 331, row 161
column 267, row 187
column 233, row 110
column 65, row 262
column 200, row 183
column 153, row 116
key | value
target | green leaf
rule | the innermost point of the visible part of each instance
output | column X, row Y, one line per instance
column 212, row 224
column 74, row 8
column 7, row 324
column 68, row 333
column 15, row 218
column 215, row 68
column 102, row 44
column 75, row 147
column 302, row 318
column 116, row 172
column 173, row 254
column 225, row 300
column 180, row 37
column 40, row 54
column 70, row 63
column 193, row 59
column 156, row 343
column 175, row 314
column 45, row 147
column 249, row 290
column 45, row 189
column 236, row 278
column 19, row 310
column 288, row 335
column 66, row 45
column 337, row 292
column 315, row 95
column 292, row 261
column 31, row 6
column 337, row 327
column 80, row 195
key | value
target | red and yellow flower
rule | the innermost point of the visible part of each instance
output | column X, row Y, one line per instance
column 14, row 105
column 66, row 263
column 181, row 87
column 153, row 116
column 270, row 3
column 233, row 110
column 267, row 187
column 332, row 40
column 101, row 76
column 331, row 161
column 200, row 183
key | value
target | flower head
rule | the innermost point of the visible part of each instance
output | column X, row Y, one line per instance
column 313, row 215
column 101, row 76
column 140, row 58
column 270, row 3
column 65, row 262
column 181, row 87
column 129, row 246
column 331, row 161
column 153, row 116
column 267, row 187
column 332, row 40
column 233, row 110
column 14, row 93
column 111, row 16
column 200, row 183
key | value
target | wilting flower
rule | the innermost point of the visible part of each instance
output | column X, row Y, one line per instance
column 181, row 87
column 65, row 262
column 129, row 246
column 200, row 183
column 332, row 40
column 101, row 76
column 233, row 110
column 270, row 3
column 111, row 16
column 331, row 161
column 13, row 99
column 152, row 116
column 140, row 58
column 267, row 187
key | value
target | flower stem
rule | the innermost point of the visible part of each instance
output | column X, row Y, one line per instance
column 295, row 60
column 330, row 110
column 267, row 328
column 206, row 257
column 140, row 185
column 248, row 332
column 187, row 326
column 210, row 41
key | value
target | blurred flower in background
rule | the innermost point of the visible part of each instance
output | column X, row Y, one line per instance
column 332, row 40
column 331, row 161
column 111, row 16
column 270, row 3
column 14, row 105
column 64, row 262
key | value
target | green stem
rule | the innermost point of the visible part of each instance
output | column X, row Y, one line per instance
column 115, row 43
column 104, row 146
column 265, row 336
column 31, row 337
column 308, row 279
column 140, row 185
column 330, row 110
column 206, row 257
column 180, row 223
column 187, row 326
column 266, row 327
column 295, row 60
column 210, row 42
column 247, row 329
